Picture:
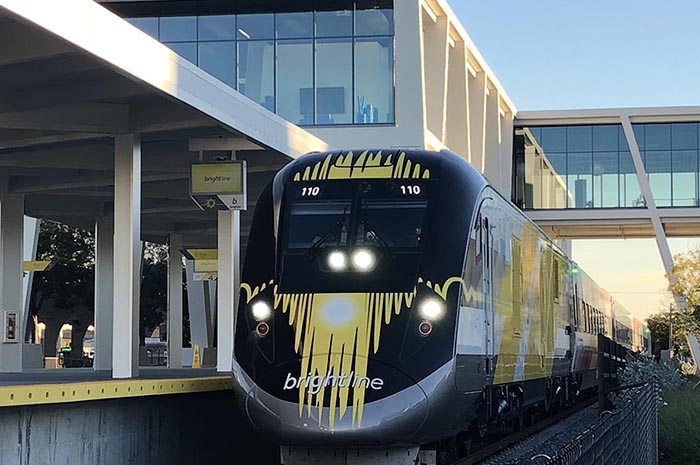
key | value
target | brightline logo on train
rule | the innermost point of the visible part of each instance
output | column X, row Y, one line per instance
column 316, row 383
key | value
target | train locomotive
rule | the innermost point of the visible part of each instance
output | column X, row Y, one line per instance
column 393, row 300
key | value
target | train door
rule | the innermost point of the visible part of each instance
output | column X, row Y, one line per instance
column 487, row 273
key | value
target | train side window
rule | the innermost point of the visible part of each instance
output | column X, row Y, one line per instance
column 517, row 284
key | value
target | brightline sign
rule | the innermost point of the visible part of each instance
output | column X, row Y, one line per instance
column 217, row 186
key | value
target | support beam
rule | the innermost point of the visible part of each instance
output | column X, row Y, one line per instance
column 435, row 53
column 127, row 259
column 11, row 245
column 477, row 119
column 228, row 286
column 457, row 114
column 104, row 291
column 175, row 301
column 645, row 187
column 506, row 172
column 31, row 242
column 492, row 153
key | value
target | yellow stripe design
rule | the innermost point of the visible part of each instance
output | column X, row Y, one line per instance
column 366, row 165
column 37, row 394
column 334, row 334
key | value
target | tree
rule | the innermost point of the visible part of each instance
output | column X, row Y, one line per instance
column 686, row 284
column 64, row 294
column 154, row 288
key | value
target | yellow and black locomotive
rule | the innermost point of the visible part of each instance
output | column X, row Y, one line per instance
column 393, row 299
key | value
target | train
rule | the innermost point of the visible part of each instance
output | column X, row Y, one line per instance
column 393, row 303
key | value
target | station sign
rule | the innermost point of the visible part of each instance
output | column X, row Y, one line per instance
column 219, row 186
column 206, row 263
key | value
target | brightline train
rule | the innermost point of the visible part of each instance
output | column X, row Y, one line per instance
column 392, row 300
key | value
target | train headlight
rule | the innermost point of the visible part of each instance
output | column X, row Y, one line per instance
column 261, row 310
column 363, row 260
column 431, row 309
column 337, row 261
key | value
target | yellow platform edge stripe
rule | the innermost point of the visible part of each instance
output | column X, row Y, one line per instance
column 39, row 394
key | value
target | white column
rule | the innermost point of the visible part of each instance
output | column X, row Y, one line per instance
column 11, row 268
column 175, row 302
column 228, row 286
column 127, row 256
column 104, row 291
column 492, row 154
column 477, row 119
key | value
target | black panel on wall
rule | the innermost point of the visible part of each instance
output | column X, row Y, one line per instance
column 135, row 8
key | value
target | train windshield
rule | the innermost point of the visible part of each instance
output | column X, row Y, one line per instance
column 395, row 224
column 318, row 224
column 324, row 225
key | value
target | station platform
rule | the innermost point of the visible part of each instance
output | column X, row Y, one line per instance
column 37, row 387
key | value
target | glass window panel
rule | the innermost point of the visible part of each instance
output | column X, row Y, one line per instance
column 294, row 25
column 178, row 29
column 558, row 162
column 334, row 81
column 554, row 139
column 580, row 163
column 334, row 23
column 579, row 139
column 580, row 190
column 661, row 188
column 536, row 134
column 374, row 22
column 684, row 136
column 187, row 50
column 630, row 194
column 219, row 60
column 221, row 27
column 656, row 161
column 657, row 137
column 685, row 168
column 605, row 138
column 605, row 179
column 251, row 27
column 374, row 81
column 147, row 25
column 295, row 101
column 580, row 179
column 256, row 71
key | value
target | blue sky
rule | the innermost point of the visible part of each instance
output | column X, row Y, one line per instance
column 554, row 54
column 557, row 54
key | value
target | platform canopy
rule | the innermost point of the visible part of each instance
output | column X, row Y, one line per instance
column 73, row 76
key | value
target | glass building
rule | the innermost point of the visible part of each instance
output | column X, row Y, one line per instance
column 591, row 166
column 324, row 67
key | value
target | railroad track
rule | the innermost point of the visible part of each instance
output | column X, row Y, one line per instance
column 511, row 440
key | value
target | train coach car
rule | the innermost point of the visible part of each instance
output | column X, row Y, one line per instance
column 392, row 300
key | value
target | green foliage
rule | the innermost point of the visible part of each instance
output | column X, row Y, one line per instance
column 667, row 376
column 686, row 273
column 679, row 429
column 70, row 283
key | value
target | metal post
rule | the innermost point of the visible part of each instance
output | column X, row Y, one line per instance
column 104, row 291
column 175, row 301
column 128, row 255
column 670, row 329
column 228, row 286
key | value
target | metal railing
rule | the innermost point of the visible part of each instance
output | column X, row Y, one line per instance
column 627, row 436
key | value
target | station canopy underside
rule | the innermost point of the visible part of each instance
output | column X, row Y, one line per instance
column 63, row 98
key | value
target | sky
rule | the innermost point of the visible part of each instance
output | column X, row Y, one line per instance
column 559, row 54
